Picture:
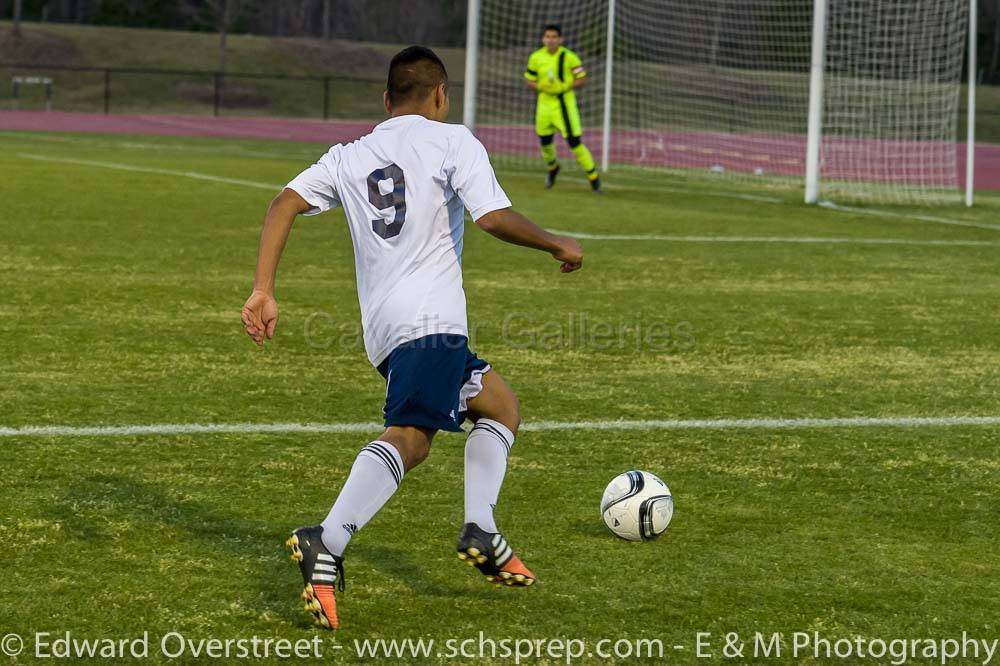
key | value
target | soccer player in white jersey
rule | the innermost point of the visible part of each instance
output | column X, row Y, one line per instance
column 404, row 188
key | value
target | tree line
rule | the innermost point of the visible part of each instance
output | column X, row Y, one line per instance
column 438, row 22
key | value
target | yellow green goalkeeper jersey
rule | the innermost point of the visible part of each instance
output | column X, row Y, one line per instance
column 555, row 74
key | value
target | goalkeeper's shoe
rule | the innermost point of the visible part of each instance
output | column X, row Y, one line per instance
column 321, row 570
column 550, row 179
column 492, row 555
column 595, row 185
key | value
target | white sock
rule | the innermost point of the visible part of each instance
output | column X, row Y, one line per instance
column 486, row 453
column 374, row 477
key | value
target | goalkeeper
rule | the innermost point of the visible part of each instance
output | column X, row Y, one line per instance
column 555, row 72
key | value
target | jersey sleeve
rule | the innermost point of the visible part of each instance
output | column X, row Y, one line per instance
column 574, row 64
column 531, row 71
column 318, row 185
column 472, row 177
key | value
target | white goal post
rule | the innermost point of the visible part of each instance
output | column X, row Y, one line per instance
column 850, row 99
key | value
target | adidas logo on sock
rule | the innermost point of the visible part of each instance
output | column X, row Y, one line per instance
column 351, row 528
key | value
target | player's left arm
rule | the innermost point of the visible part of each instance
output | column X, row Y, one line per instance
column 260, row 312
column 474, row 181
column 577, row 71
column 512, row 227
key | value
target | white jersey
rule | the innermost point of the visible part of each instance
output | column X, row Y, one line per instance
column 403, row 188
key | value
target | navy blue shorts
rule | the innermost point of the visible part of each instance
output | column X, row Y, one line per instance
column 430, row 380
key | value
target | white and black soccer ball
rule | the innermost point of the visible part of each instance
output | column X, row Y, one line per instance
column 637, row 506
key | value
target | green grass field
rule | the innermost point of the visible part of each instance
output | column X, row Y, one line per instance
column 122, row 292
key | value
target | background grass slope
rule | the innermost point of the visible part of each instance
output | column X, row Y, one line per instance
column 113, row 47
column 107, row 46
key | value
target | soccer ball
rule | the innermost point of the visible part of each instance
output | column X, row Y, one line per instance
column 637, row 506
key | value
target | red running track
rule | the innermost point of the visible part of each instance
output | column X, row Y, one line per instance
column 732, row 152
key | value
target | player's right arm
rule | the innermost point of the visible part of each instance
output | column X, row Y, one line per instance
column 311, row 192
column 531, row 73
column 260, row 312
column 510, row 226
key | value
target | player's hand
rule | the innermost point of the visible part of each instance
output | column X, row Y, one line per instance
column 570, row 254
column 552, row 87
column 260, row 316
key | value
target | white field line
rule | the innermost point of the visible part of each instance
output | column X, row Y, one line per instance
column 717, row 194
column 773, row 239
column 228, row 149
column 729, row 195
column 829, row 205
column 301, row 155
column 908, row 216
column 163, row 172
column 536, row 426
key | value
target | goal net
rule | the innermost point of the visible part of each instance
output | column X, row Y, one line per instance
column 892, row 90
column 510, row 30
column 721, row 88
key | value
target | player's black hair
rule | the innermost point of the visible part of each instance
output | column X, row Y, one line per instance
column 552, row 26
column 413, row 73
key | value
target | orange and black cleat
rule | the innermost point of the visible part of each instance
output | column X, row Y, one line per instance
column 493, row 556
column 322, row 571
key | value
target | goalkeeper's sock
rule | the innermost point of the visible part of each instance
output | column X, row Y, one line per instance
column 549, row 154
column 376, row 474
column 586, row 161
column 486, row 453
